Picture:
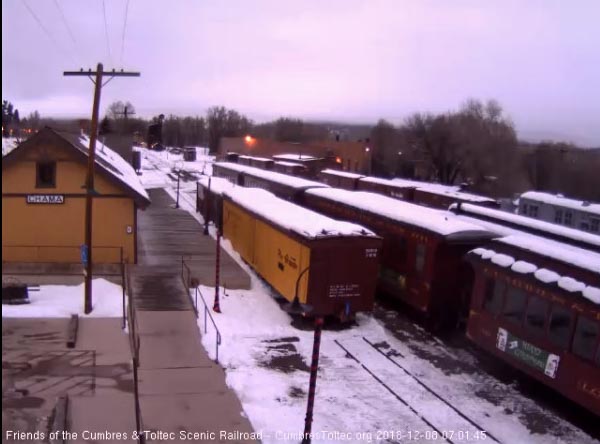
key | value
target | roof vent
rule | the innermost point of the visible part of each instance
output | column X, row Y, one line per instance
column 586, row 203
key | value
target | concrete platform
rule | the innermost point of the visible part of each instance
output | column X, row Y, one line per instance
column 38, row 368
column 181, row 388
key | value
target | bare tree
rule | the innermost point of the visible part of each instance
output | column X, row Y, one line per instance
column 225, row 123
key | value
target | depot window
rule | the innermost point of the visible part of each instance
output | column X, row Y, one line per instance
column 586, row 336
column 559, row 329
column 514, row 307
column 535, row 318
column 45, row 175
column 494, row 292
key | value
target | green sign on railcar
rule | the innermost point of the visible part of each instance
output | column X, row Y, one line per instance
column 528, row 353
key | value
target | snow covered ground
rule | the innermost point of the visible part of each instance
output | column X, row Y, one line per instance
column 376, row 383
column 61, row 301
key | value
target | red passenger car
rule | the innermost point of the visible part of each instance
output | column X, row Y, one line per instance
column 340, row 179
column 423, row 249
column 536, row 305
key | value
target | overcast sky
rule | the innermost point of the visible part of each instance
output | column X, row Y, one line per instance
column 341, row 60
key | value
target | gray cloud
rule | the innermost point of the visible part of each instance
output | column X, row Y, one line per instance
column 335, row 60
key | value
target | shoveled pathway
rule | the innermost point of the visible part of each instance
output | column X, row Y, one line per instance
column 181, row 389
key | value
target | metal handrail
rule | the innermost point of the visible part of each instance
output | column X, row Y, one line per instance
column 185, row 269
column 207, row 312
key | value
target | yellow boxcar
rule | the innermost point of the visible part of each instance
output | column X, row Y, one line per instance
column 335, row 274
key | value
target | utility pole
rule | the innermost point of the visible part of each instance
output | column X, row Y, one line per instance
column 89, row 185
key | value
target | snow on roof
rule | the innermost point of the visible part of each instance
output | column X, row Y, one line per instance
column 434, row 188
column 399, row 183
column 284, row 179
column 523, row 267
column 290, row 164
column 342, row 173
column 261, row 159
column 218, row 185
column 528, row 222
column 503, row 260
column 544, row 275
column 455, row 194
column 8, row 144
column 562, row 201
column 427, row 218
column 592, row 293
column 426, row 185
column 114, row 163
column 570, row 284
column 294, row 157
column 308, row 224
column 558, row 251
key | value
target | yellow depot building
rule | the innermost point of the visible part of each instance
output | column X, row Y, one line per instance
column 43, row 201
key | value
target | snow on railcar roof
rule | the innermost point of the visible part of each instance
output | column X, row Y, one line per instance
column 427, row 218
column 291, row 156
column 305, row 222
column 342, row 173
column 435, row 188
column 390, row 182
column 544, row 275
column 562, row 201
column 559, row 251
column 517, row 219
column 284, row 163
column 284, row 179
column 218, row 185
column 261, row 159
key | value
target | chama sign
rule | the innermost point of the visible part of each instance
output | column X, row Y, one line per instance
column 45, row 199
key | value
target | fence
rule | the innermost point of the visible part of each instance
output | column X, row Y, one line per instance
column 188, row 282
column 60, row 253
column 134, row 342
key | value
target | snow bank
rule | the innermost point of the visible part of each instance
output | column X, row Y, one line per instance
column 61, row 301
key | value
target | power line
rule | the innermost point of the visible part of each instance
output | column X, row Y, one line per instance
column 41, row 25
column 123, row 36
column 106, row 32
column 64, row 19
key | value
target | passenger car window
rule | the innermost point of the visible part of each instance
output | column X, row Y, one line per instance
column 560, row 326
column 492, row 299
column 420, row 258
column 514, row 306
column 535, row 318
column 584, row 341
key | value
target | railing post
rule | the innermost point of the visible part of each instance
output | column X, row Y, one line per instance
column 217, row 306
column 314, row 366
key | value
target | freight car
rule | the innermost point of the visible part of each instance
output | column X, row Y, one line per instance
column 536, row 305
column 327, row 265
column 282, row 185
column 423, row 193
column 340, row 179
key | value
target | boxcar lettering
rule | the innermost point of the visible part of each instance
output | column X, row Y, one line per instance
column 344, row 290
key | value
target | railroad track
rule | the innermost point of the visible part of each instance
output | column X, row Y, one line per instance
column 446, row 421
